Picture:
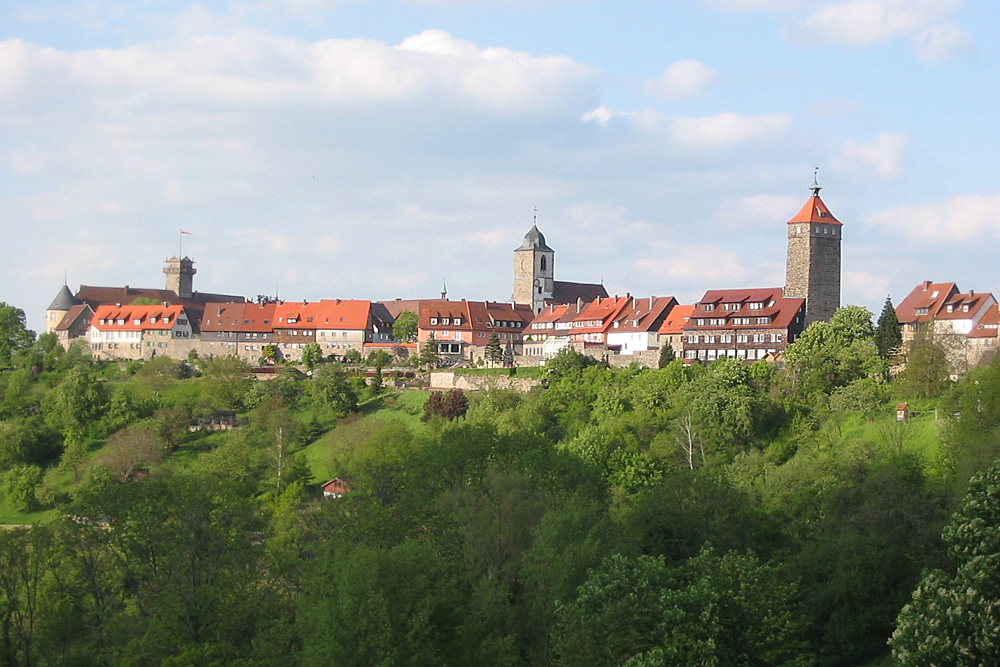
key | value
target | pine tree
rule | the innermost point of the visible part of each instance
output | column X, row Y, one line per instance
column 667, row 355
column 429, row 352
column 493, row 351
column 888, row 337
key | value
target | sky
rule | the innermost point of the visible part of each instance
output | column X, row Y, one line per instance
column 377, row 149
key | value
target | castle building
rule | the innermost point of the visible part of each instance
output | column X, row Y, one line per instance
column 534, row 277
column 812, row 267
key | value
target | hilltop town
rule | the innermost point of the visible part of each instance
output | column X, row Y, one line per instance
column 545, row 316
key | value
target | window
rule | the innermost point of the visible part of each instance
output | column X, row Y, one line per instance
column 708, row 307
column 457, row 321
column 742, row 338
column 741, row 320
column 700, row 323
column 445, row 320
column 763, row 320
column 434, row 320
column 755, row 305
column 543, row 264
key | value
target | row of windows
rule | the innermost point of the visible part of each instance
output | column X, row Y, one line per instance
column 711, row 355
column 740, row 338
column 736, row 321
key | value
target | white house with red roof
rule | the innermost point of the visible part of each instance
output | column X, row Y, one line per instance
column 137, row 332
column 462, row 329
column 954, row 318
column 637, row 327
column 748, row 324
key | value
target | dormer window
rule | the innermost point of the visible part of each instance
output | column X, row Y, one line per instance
column 166, row 320
column 434, row 320
column 152, row 320
column 707, row 307
column 445, row 320
column 965, row 308
column 457, row 321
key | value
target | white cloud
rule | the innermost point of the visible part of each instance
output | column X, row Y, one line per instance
column 871, row 286
column 884, row 157
column 685, row 78
column 727, row 130
column 863, row 23
column 940, row 42
column 700, row 264
column 955, row 220
column 647, row 119
column 757, row 209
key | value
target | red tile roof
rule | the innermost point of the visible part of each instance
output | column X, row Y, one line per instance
column 676, row 319
column 756, row 303
column 136, row 318
column 643, row 315
column 815, row 210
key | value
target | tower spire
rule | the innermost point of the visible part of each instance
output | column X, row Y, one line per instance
column 815, row 186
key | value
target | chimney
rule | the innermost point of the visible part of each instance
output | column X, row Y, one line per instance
column 927, row 284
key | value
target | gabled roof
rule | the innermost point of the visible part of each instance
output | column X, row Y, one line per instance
column 552, row 313
column 136, row 318
column 598, row 315
column 815, row 210
column 74, row 315
column 326, row 314
column 194, row 306
column 643, row 315
column 924, row 302
column 442, row 309
column 988, row 325
column 754, row 303
column 566, row 292
column 676, row 319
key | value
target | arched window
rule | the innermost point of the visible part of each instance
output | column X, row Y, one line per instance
column 544, row 263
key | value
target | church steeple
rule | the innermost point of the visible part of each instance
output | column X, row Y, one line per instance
column 534, row 268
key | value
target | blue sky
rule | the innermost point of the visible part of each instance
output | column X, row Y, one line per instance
column 336, row 148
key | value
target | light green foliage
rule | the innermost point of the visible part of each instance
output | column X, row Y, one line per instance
column 19, row 484
column 312, row 355
column 953, row 616
column 332, row 391
column 76, row 404
column 226, row 381
column 404, row 329
column 832, row 354
column 927, row 369
column 14, row 334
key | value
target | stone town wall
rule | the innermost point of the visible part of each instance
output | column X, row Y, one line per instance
column 445, row 380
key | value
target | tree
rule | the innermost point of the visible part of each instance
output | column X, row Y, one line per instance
column 76, row 403
column 493, row 352
column 667, row 355
column 404, row 329
column 131, row 449
column 953, row 616
column 888, row 336
column 268, row 354
column 14, row 334
column 429, row 355
column 832, row 354
column 448, row 404
column 312, row 355
column 927, row 369
column 332, row 390
column 226, row 381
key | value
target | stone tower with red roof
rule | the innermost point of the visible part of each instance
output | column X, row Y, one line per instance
column 812, row 266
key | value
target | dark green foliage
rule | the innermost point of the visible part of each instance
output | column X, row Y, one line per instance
column 493, row 353
column 888, row 335
column 667, row 355
column 14, row 333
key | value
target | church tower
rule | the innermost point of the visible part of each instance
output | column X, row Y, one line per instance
column 533, row 270
column 812, row 267
column 180, row 276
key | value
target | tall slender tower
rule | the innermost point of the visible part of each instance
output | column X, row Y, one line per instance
column 812, row 267
column 180, row 276
column 534, row 264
